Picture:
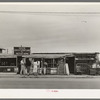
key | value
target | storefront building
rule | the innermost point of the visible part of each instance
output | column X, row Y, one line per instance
column 86, row 61
column 8, row 63
column 55, row 62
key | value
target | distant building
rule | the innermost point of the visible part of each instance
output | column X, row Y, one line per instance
column 1, row 50
column 56, row 61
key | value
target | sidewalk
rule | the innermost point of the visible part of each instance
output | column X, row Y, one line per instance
column 14, row 75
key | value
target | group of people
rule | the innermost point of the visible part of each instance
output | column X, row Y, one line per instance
column 29, row 66
column 32, row 66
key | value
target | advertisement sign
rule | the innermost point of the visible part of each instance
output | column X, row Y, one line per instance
column 22, row 50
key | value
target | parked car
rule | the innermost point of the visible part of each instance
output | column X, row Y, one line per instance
column 82, row 68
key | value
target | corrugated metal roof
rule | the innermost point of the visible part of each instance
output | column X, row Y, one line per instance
column 41, row 55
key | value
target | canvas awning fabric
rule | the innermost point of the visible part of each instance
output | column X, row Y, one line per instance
column 47, row 55
column 8, row 56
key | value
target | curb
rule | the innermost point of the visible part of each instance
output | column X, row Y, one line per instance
column 31, row 76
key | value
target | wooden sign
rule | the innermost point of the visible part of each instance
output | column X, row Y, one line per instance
column 22, row 50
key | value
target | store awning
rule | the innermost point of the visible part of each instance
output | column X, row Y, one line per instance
column 8, row 56
column 41, row 55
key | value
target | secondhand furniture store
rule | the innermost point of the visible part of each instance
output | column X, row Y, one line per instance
column 55, row 61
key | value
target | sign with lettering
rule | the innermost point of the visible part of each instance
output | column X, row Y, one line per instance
column 22, row 50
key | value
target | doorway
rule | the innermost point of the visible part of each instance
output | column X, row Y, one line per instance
column 19, row 58
column 71, row 64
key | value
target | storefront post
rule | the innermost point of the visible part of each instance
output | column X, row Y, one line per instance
column 64, row 65
column 53, row 62
column 58, row 66
column 74, row 66
column 97, row 61
column 41, row 65
column 16, row 66
column 16, row 61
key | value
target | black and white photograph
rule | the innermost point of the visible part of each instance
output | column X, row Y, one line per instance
column 50, row 46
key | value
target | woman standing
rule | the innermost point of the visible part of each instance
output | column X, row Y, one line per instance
column 44, row 69
column 67, row 69
column 35, row 65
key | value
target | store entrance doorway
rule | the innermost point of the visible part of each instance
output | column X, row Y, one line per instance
column 19, row 58
column 71, row 64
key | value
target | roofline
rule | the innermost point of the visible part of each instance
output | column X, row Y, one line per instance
column 2, row 48
column 67, row 53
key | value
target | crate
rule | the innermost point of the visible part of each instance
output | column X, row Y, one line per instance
column 48, row 71
column 53, row 71
column 40, row 71
column 82, row 68
column 16, row 70
column 93, row 71
column 98, row 71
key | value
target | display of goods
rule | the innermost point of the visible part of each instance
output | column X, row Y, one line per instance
column 53, row 71
column 98, row 71
column 93, row 71
column 48, row 71
column 16, row 70
column 83, row 68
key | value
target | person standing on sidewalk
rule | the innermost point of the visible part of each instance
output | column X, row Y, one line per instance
column 28, row 65
column 35, row 68
column 45, row 66
column 38, row 67
column 66, row 69
column 32, row 65
column 23, row 69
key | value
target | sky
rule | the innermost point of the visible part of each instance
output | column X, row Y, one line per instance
column 50, row 32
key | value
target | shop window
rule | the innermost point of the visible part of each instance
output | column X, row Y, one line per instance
column 8, row 62
column 52, row 63
column 49, row 62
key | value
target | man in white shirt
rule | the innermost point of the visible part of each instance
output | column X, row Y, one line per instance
column 22, row 66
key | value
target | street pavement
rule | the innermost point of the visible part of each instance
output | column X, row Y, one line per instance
column 14, row 75
column 13, row 81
